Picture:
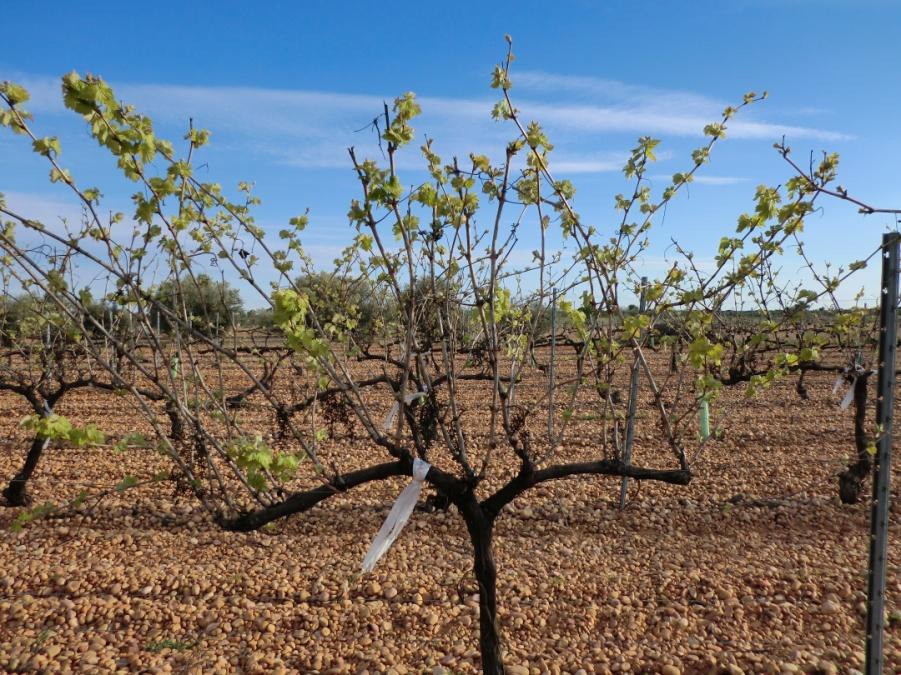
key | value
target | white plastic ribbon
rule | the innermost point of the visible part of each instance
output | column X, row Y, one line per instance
column 397, row 517
column 838, row 383
column 391, row 417
column 849, row 395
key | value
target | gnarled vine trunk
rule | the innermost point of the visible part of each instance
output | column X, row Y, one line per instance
column 481, row 530
column 16, row 493
column 850, row 481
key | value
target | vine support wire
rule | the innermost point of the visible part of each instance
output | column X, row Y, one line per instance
column 888, row 330
column 633, row 404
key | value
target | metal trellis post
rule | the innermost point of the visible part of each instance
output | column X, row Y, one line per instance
column 633, row 404
column 888, row 327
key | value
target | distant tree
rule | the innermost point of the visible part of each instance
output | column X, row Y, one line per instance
column 258, row 318
column 208, row 304
column 344, row 304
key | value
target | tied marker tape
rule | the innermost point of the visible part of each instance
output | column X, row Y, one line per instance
column 398, row 516
column 849, row 376
column 395, row 409
column 406, row 501
column 849, row 395
column 838, row 383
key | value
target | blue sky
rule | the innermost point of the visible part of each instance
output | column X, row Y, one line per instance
column 284, row 87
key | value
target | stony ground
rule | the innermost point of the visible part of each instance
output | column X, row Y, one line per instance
column 755, row 567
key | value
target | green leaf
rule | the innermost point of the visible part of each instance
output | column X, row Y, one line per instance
column 14, row 93
column 126, row 483
column 129, row 441
column 198, row 137
column 52, row 427
column 715, row 130
column 809, row 354
column 256, row 480
column 499, row 78
column 92, row 195
column 174, row 645
column 88, row 436
column 57, row 175
column 502, row 110
column 36, row 513
column 47, row 146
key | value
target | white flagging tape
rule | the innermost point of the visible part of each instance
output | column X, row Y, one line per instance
column 838, row 383
column 391, row 417
column 849, row 396
column 398, row 516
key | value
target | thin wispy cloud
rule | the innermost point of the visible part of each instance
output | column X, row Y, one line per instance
column 702, row 179
column 719, row 180
column 48, row 208
column 613, row 92
column 613, row 162
column 608, row 105
column 312, row 129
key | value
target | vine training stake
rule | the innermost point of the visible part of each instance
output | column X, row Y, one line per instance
column 704, row 419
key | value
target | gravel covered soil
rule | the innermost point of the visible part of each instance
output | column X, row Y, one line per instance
column 755, row 567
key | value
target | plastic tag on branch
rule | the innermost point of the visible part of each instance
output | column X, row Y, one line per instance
column 838, row 383
column 391, row 417
column 398, row 516
column 849, row 395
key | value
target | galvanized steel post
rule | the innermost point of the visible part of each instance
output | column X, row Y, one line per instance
column 888, row 326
